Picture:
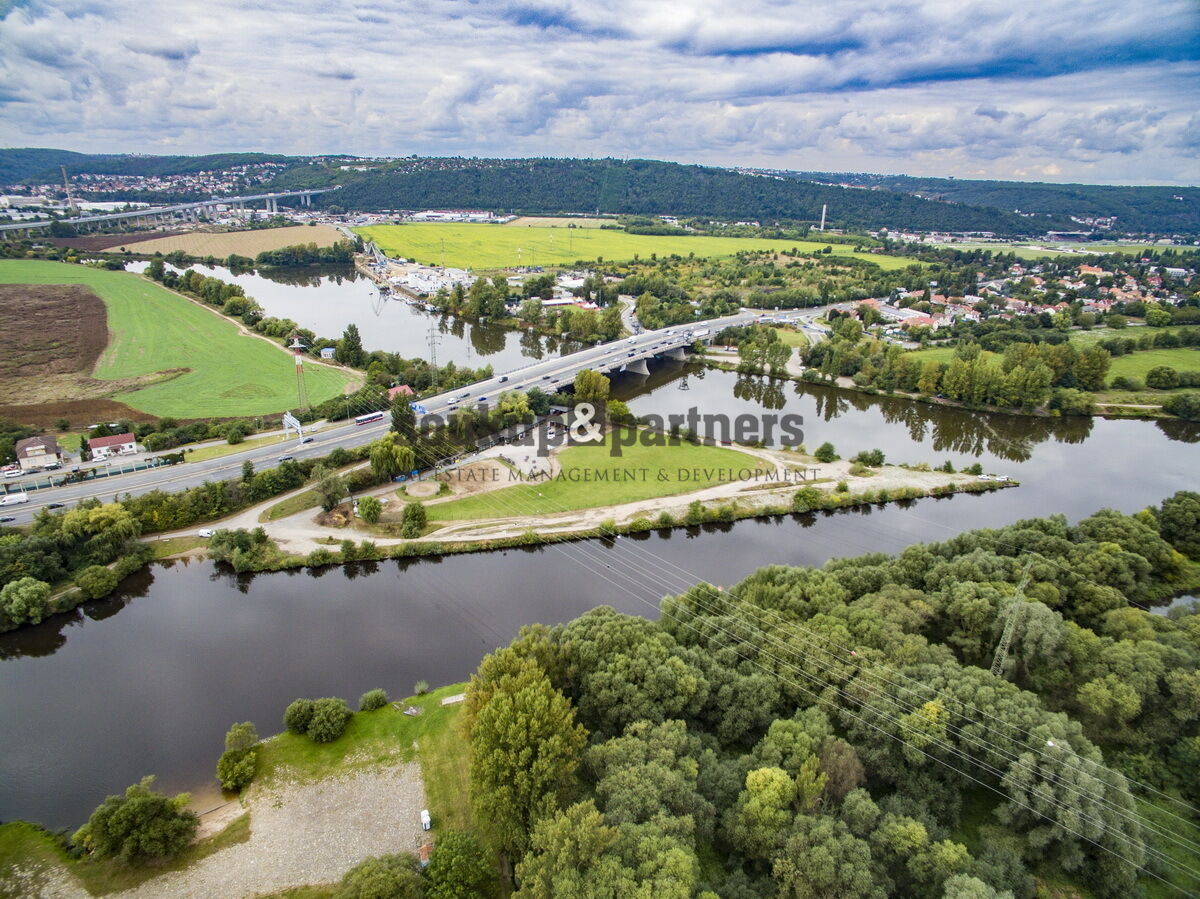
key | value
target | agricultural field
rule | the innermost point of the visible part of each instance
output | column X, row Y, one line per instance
column 498, row 246
column 165, row 355
column 557, row 221
column 244, row 243
column 1040, row 251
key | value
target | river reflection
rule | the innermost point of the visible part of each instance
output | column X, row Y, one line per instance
column 147, row 682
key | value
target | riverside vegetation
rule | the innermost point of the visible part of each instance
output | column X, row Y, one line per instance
column 835, row 731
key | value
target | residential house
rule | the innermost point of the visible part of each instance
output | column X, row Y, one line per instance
column 36, row 453
column 116, row 445
column 399, row 390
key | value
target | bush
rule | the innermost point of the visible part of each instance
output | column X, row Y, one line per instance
column 140, row 826
column 369, row 509
column 241, row 737
column 372, row 700
column 412, row 524
column 1069, row 401
column 391, row 876
column 1185, row 405
column 1123, row 383
column 298, row 716
column 826, row 453
column 421, row 687
column 459, row 867
column 330, row 716
column 1162, row 377
column 857, row 469
column 664, row 520
column 806, row 499
column 96, row 581
column 842, row 487
column 25, row 601
column 873, row 457
column 235, row 769
column 319, row 557
column 695, row 513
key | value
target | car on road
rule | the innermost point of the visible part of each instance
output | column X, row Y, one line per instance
column 54, row 505
column 12, row 472
column 205, row 532
column 545, row 377
column 14, row 499
column 287, row 458
column 308, row 439
column 503, row 378
column 5, row 518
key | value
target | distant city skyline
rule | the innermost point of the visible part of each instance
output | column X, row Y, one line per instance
column 1084, row 91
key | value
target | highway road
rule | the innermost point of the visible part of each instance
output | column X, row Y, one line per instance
column 548, row 374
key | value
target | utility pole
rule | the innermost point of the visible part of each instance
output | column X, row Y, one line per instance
column 1010, row 626
column 71, row 204
column 433, row 339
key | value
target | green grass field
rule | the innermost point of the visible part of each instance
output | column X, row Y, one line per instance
column 494, row 246
column 791, row 338
column 1131, row 365
column 386, row 736
column 564, row 494
column 1041, row 251
column 946, row 354
column 152, row 330
column 1135, row 365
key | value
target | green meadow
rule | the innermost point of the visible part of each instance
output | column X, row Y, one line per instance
column 495, row 246
column 592, row 478
column 150, row 329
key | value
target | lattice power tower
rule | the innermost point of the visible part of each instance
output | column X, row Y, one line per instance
column 297, row 349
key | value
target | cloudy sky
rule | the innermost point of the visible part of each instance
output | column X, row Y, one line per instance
column 1088, row 90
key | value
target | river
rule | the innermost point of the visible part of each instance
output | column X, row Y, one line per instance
column 327, row 299
column 149, row 680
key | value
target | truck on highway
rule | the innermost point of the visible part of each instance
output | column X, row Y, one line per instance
column 14, row 499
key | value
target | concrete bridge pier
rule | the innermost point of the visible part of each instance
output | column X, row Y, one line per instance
column 639, row 366
column 678, row 353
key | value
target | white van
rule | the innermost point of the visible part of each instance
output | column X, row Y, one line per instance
column 14, row 499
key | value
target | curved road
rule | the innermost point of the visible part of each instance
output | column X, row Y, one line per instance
column 548, row 375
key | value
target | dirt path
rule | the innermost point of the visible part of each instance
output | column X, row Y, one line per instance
column 301, row 534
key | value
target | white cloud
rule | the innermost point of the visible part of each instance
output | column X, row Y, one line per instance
column 1065, row 90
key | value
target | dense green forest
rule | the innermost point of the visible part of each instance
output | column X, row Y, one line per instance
column 1169, row 210
column 39, row 165
column 643, row 186
column 836, row 731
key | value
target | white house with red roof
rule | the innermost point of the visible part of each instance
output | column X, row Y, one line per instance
column 116, row 445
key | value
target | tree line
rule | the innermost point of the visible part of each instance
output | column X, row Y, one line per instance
column 835, row 732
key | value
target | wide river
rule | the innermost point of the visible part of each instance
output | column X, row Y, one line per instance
column 148, row 681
